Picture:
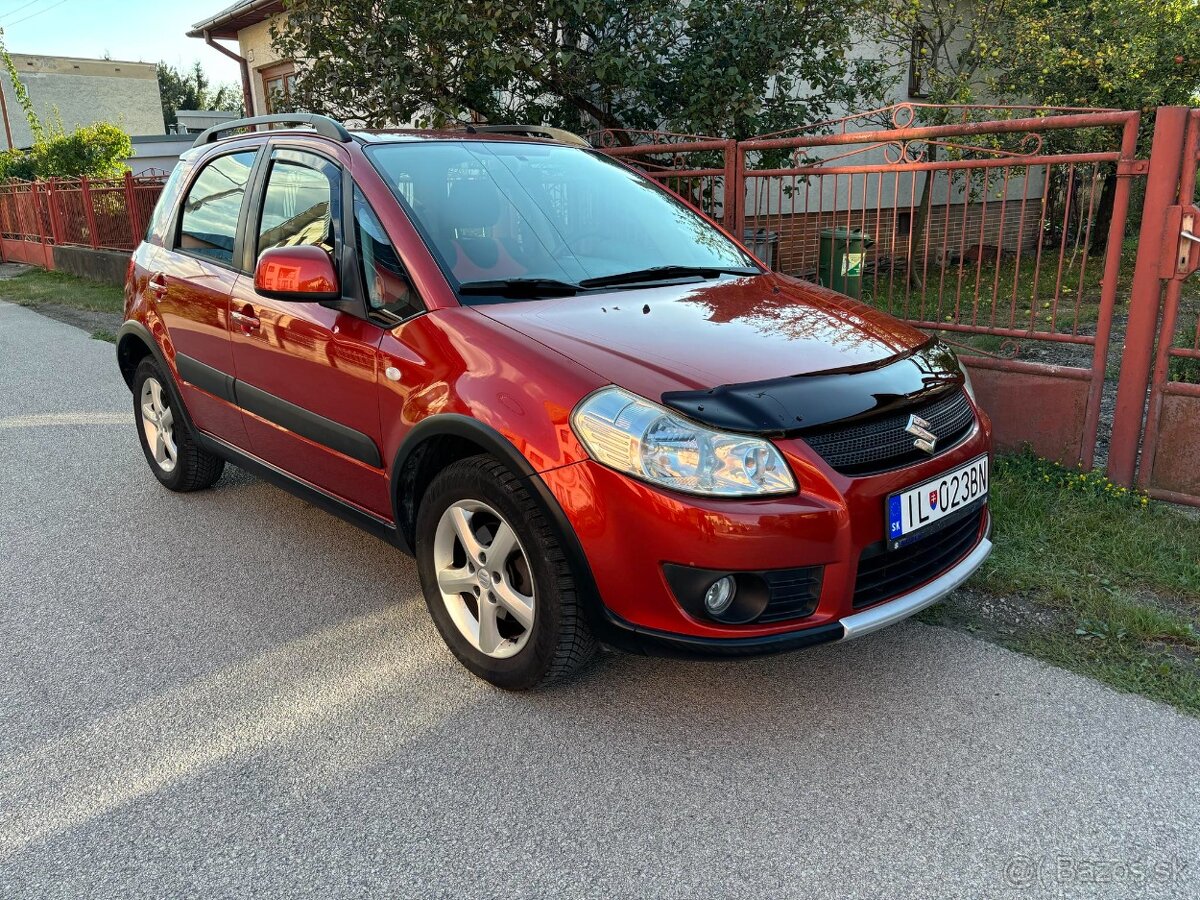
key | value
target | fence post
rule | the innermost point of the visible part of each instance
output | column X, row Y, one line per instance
column 52, row 199
column 734, row 192
column 131, row 208
column 85, row 194
column 1162, row 184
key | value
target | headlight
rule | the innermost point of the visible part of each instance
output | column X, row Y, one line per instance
column 967, row 386
column 642, row 439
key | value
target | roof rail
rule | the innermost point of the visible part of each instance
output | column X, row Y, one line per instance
column 324, row 126
column 542, row 131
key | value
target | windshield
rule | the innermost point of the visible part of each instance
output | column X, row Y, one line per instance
column 547, row 217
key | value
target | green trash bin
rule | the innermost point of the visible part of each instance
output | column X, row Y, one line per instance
column 841, row 258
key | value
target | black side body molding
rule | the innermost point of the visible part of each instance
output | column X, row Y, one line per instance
column 294, row 418
column 308, row 424
column 795, row 403
column 205, row 377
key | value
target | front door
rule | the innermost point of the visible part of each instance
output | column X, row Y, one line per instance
column 306, row 373
column 191, row 277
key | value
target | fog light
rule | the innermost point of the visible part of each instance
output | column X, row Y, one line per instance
column 720, row 595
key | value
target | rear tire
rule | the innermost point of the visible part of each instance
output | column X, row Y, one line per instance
column 497, row 582
column 172, row 450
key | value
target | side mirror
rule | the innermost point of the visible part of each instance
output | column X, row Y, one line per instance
column 303, row 273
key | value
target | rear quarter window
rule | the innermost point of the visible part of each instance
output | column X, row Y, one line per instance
column 160, row 220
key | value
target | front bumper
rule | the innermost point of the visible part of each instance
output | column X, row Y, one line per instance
column 645, row 640
column 627, row 531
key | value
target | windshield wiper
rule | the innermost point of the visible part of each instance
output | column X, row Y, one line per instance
column 521, row 287
column 662, row 273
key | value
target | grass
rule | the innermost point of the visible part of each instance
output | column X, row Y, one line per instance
column 1004, row 294
column 1091, row 577
column 37, row 287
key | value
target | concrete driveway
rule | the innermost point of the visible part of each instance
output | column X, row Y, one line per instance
column 234, row 694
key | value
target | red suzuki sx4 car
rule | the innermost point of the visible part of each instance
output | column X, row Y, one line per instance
column 592, row 416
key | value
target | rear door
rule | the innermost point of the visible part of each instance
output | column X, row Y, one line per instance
column 306, row 372
column 191, row 278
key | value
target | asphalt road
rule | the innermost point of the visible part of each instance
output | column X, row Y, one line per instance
column 234, row 694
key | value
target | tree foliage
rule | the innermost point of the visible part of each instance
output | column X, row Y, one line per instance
column 1108, row 53
column 723, row 67
column 1085, row 53
column 192, row 89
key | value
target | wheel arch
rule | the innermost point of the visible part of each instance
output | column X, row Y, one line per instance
column 432, row 445
column 135, row 343
column 439, row 441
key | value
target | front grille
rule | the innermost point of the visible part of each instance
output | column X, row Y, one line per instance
column 881, row 443
column 884, row 573
column 793, row 593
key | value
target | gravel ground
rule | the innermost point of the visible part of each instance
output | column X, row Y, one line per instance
column 234, row 694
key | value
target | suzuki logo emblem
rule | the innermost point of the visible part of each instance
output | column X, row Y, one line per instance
column 925, row 439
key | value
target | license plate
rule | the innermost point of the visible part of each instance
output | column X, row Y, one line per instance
column 921, row 510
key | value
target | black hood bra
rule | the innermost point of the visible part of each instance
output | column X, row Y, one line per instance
column 796, row 403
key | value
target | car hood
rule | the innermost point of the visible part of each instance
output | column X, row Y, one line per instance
column 696, row 336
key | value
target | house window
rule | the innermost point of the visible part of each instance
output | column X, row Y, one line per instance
column 918, row 63
column 279, row 87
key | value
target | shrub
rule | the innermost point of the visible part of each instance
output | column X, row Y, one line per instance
column 97, row 151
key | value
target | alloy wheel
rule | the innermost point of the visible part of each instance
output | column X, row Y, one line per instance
column 158, row 425
column 484, row 577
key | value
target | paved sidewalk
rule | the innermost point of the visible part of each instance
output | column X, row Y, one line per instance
column 234, row 694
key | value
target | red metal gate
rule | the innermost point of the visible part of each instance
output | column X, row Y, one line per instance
column 1160, row 439
column 984, row 231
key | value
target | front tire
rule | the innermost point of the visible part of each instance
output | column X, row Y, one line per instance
column 172, row 451
column 498, row 585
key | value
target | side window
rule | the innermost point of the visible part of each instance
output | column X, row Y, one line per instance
column 298, row 206
column 384, row 280
column 156, row 230
column 209, row 222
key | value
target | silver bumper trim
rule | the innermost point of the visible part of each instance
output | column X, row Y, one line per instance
column 905, row 605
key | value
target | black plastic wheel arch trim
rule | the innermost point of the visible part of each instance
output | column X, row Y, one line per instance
column 493, row 442
column 795, row 403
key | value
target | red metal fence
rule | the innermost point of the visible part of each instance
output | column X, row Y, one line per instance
column 103, row 214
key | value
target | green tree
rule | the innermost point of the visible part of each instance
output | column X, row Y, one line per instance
column 1102, row 53
column 1105, row 53
column 192, row 89
column 943, row 46
column 704, row 67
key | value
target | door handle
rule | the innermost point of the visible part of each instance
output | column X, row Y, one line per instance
column 157, row 285
column 246, row 319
